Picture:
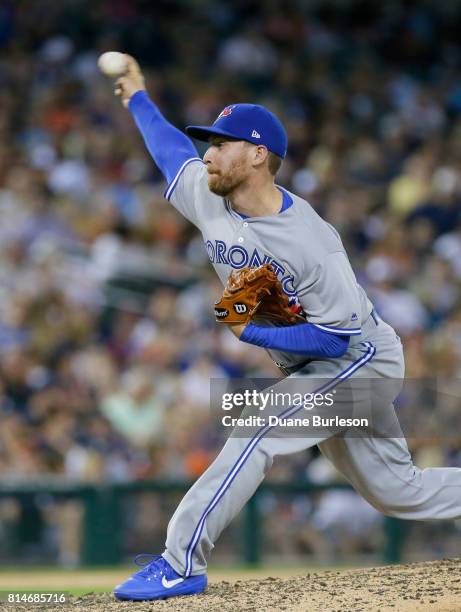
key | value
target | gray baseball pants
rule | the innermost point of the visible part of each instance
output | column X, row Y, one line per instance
column 379, row 468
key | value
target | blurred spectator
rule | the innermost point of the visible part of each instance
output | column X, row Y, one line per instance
column 136, row 411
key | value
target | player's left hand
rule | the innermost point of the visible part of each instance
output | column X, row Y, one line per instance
column 253, row 292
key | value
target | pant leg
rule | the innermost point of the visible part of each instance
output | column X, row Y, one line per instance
column 382, row 471
column 220, row 493
column 218, row 496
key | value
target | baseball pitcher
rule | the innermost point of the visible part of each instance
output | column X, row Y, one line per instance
column 249, row 223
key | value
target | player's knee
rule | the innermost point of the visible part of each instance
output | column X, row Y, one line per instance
column 393, row 512
column 396, row 501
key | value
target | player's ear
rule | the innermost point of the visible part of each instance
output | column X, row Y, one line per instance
column 260, row 155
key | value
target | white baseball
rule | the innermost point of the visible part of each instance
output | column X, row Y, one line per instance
column 112, row 63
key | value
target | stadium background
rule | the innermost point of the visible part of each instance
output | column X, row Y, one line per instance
column 107, row 338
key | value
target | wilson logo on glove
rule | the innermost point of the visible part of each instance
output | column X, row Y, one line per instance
column 240, row 308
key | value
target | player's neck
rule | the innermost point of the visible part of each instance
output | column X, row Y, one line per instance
column 257, row 200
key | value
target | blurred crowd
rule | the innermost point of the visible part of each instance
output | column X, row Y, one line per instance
column 107, row 339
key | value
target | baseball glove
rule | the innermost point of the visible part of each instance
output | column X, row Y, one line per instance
column 254, row 292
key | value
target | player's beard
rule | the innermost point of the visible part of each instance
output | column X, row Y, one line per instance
column 224, row 184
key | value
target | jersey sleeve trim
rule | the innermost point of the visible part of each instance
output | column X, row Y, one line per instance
column 353, row 331
column 172, row 186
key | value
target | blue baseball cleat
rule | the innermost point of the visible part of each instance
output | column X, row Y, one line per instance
column 158, row 580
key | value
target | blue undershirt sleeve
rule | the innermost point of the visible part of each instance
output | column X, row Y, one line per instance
column 169, row 147
column 305, row 339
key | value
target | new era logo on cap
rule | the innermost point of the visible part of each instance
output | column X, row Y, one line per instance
column 255, row 134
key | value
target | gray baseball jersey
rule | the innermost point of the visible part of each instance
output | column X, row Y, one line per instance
column 305, row 251
column 309, row 258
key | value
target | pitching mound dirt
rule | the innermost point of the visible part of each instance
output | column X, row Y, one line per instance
column 423, row 586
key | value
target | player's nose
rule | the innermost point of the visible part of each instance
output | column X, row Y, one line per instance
column 208, row 157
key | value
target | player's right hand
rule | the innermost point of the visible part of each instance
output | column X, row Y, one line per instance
column 131, row 82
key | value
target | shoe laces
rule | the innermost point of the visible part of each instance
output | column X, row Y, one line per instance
column 151, row 564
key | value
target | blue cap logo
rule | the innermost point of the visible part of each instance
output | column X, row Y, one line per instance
column 224, row 113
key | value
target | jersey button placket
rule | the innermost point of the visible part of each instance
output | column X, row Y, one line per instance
column 243, row 226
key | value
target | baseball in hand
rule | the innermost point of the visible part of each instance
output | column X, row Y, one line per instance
column 112, row 63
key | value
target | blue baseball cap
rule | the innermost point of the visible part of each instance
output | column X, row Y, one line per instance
column 250, row 122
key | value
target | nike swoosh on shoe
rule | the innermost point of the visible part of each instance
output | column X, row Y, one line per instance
column 168, row 584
